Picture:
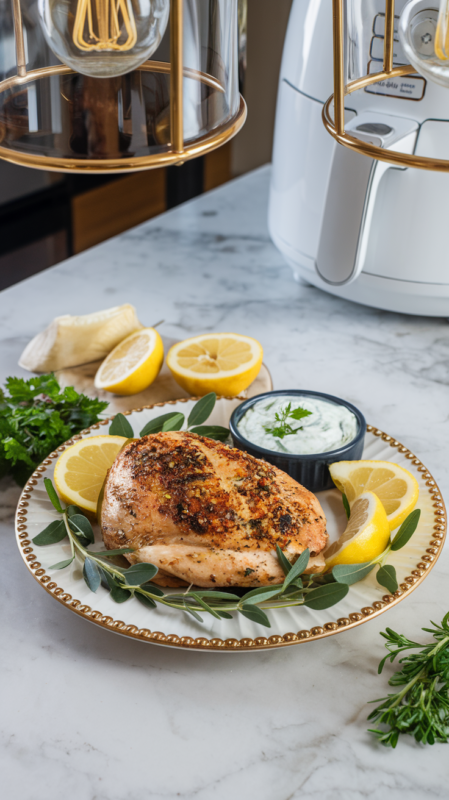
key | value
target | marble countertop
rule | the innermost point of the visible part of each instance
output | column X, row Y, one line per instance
column 88, row 715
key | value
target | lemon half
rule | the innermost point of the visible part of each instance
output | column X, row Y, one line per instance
column 366, row 536
column 225, row 363
column 81, row 469
column 133, row 365
column 395, row 487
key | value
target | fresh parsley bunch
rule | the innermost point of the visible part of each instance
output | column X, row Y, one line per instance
column 35, row 418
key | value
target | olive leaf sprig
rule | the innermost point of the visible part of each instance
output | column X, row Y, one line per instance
column 174, row 421
column 298, row 589
column 421, row 707
column 386, row 573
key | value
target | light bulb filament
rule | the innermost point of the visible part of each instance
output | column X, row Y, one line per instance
column 99, row 24
column 442, row 34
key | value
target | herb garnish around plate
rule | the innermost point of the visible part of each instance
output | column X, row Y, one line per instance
column 36, row 416
column 315, row 591
column 421, row 707
column 174, row 421
column 283, row 427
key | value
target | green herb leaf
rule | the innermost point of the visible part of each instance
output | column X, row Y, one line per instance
column 216, row 432
column 283, row 427
column 140, row 573
column 51, row 491
column 386, row 576
column 118, row 593
column 298, row 568
column 174, row 424
column 152, row 589
column 262, row 593
column 72, row 510
column 299, row 413
column 155, row 425
column 80, row 524
column 55, row 532
column 216, row 594
column 346, row 505
column 205, row 605
column 420, row 708
column 35, row 418
column 255, row 614
column 326, row 596
column 146, row 601
column 193, row 613
column 202, row 410
column 406, row 530
column 351, row 573
column 62, row 564
column 283, row 560
column 91, row 574
column 121, row 427
column 224, row 615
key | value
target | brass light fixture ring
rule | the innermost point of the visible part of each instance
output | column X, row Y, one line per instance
column 202, row 145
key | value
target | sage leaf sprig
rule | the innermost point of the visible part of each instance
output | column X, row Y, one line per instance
column 421, row 707
column 283, row 427
column 316, row 591
column 174, row 421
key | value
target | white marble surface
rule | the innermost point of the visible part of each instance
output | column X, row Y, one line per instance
column 88, row 715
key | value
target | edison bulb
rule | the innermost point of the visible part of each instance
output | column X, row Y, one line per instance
column 424, row 35
column 103, row 38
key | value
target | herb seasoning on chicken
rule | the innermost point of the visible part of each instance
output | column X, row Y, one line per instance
column 208, row 514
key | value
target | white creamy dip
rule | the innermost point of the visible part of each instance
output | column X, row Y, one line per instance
column 328, row 427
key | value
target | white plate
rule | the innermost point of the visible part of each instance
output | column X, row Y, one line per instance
column 288, row 626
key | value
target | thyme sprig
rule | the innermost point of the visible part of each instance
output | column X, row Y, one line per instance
column 421, row 708
column 315, row 591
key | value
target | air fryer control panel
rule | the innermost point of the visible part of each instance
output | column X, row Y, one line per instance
column 409, row 87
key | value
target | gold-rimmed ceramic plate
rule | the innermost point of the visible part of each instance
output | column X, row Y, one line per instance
column 289, row 626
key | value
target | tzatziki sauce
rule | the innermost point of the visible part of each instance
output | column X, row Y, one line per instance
column 328, row 427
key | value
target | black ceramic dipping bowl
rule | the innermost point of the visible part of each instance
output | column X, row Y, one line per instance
column 312, row 470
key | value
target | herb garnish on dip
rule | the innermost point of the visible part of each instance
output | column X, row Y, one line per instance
column 298, row 424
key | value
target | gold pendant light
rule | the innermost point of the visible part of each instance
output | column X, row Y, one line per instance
column 84, row 94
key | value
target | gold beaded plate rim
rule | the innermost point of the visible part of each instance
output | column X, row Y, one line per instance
column 203, row 643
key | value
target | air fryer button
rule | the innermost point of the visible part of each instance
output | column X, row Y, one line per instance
column 377, row 128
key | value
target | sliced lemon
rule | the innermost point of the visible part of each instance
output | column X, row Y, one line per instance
column 133, row 365
column 397, row 489
column 366, row 536
column 225, row 363
column 81, row 469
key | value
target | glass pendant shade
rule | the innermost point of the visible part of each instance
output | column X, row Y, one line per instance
column 117, row 85
column 424, row 34
column 103, row 38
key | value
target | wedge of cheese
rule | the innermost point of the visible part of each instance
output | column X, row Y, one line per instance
column 70, row 341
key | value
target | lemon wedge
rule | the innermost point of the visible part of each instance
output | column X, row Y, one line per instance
column 225, row 363
column 81, row 469
column 133, row 365
column 366, row 536
column 395, row 487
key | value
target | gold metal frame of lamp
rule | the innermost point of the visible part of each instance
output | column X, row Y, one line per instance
column 336, row 126
column 179, row 151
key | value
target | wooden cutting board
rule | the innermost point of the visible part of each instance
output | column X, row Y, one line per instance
column 164, row 387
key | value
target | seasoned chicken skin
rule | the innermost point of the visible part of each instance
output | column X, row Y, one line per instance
column 208, row 514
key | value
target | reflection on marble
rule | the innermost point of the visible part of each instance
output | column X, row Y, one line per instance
column 87, row 715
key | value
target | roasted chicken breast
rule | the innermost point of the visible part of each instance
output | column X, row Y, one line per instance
column 207, row 514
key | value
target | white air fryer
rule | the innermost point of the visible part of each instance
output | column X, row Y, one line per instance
column 357, row 228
